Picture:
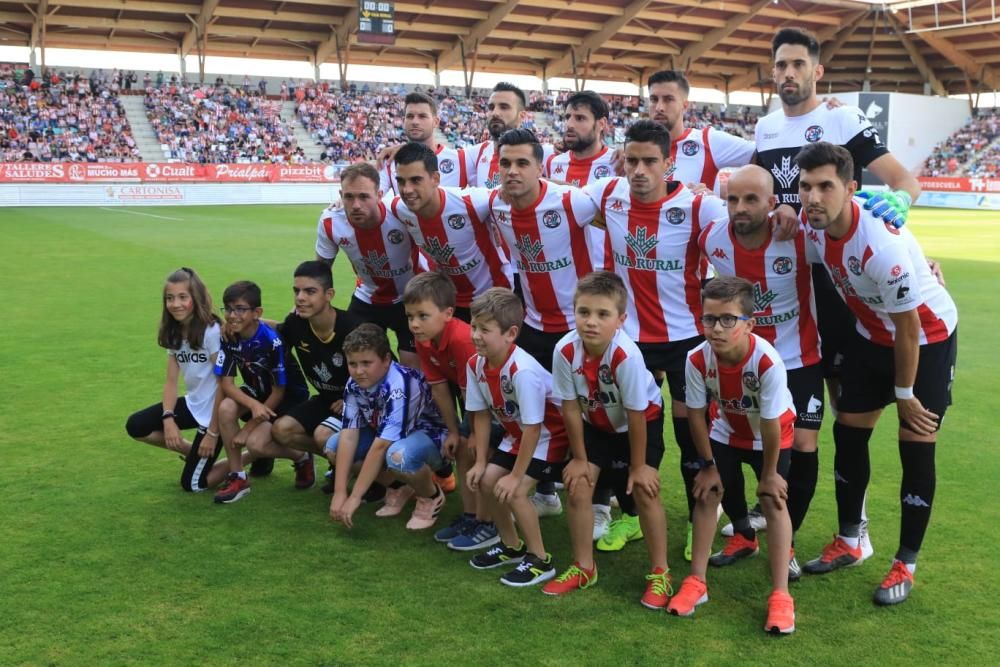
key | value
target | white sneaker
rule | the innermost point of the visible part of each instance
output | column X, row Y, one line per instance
column 547, row 505
column 757, row 522
column 602, row 519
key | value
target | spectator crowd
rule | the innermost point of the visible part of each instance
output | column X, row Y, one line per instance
column 974, row 150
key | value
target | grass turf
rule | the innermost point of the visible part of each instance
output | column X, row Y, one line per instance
column 103, row 560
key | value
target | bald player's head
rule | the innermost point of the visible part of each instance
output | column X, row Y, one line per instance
column 750, row 197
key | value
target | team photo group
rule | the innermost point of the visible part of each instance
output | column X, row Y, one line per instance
column 559, row 315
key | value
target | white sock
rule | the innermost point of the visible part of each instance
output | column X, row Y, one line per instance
column 851, row 541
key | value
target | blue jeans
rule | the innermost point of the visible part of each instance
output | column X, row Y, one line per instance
column 405, row 456
column 366, row 437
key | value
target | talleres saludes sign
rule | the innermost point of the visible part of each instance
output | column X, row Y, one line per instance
column 376, row 22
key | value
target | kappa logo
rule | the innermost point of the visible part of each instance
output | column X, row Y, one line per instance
column 446, row 166
column 617, row 206
column 551, row 219
column 676, row 216
column 602, row 171
column 787, row 173
column 813, row 236
column 814, row 133
column 916, row 501
column 641, row 243
column 782, row 265
column 751, row 382
column 762, row 299
column 304, row 346
column 604, row 373
column 559, row 169
column 720, row 253
column 854, row 265
column 690, row 148
column 530, row 249
column 502, row 217
column 322, row 372
column 711, row 373
column 440, row 252
column 397, row 394
column 344, row 243
column 456, row 221
column 395, row 236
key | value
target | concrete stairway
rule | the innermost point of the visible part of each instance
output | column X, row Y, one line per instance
column 305, row 141
column 142, row 131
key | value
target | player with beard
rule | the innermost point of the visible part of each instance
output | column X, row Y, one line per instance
column 696, row 156
column 420, row 119
column 505, row 111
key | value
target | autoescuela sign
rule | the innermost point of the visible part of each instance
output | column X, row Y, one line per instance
column 376, row 22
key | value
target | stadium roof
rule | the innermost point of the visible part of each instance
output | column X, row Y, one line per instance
column 951, row 46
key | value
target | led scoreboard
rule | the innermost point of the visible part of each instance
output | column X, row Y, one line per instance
column 376, row 22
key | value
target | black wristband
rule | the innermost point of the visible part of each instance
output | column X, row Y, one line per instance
column 705, row 463
column 167, row 414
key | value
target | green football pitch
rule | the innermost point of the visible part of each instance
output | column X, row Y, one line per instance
column 103, row 560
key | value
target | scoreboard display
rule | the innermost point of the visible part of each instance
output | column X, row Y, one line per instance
column 376, row 22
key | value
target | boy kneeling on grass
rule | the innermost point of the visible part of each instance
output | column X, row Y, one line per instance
column 507, row 382
column 754, row 423
column 613, row 412
column 390, row 421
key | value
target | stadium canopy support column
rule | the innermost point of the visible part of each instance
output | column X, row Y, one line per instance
column 343, row 54
column 467, row 72
column 579, row 83
column 545, row 78
column 725, row 82
column 183, row 64
column 38, row 32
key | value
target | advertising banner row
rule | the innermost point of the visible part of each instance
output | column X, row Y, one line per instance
column 166, row 172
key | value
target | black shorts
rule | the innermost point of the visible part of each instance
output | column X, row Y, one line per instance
column 387, row 316
column 728, row 461
column 287, row 403
column 148, row 420
column 539, row 344
column 464, row 314
column 611, row 451
column 868, row 376
column 312, row 412
column 806, row 386
column 538, row 470
column 835, row 322
column 670, row 357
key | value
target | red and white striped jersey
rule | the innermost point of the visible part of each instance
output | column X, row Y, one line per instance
column 549, row 248
column 518, row 394
column 578, row 173
column 878, row 269
column 698, row 155
column 784, row 305
column 484, row 163
column 755, row 389
column 384, row 257
column 460, row 241
column 605, row 386
column 452, row 165
column 654, row 248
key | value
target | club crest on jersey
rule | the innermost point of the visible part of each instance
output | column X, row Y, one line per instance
column 506, row 386
column 456, row 221
column 440, row 252
column 338, row 360
column 676, row 216
column 446, row 166
column 604, row 373
column 787, row 173
column 814, row 133
column 750, row 381
column 395, row 236
column 782, row 265
column 511, row 409
column 690, row 148
column 854, row 265
column 602, row 172
column 551, row 219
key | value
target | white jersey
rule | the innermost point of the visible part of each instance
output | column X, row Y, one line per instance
column 198, row 371
column 384, row 258
column 518, row 394
column 578, row 173
column 605, row 386
column 699, row 155
column 484, row 163
column 452, row 165
column 755, row 389
column 779, row 138
column 784, row 306
column 654, row 248
column 550, row 251
column 878, row 269
column 460, row 241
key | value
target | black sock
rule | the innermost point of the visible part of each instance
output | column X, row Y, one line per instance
column 851, row 472
column 444, row 471
column 916, row 494
column 742, row 526
column 802, row 475
column 396, row 484
column 689, row 458
column 546, row 488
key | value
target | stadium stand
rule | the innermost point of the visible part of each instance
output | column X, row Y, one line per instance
column 63, row 116
column 974, row 150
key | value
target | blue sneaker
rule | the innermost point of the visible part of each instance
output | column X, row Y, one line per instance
column 459, row 524
column 479, row 535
